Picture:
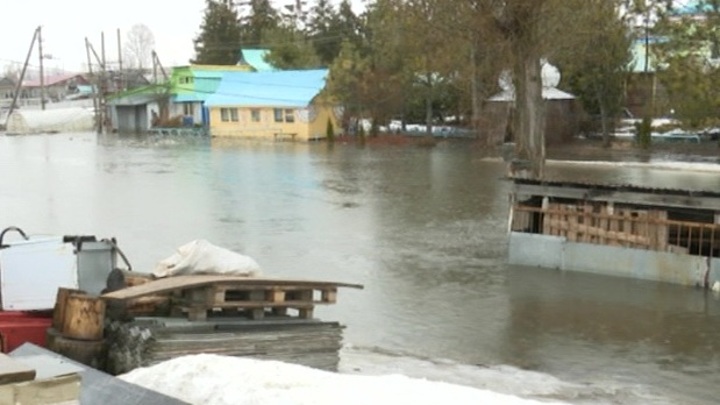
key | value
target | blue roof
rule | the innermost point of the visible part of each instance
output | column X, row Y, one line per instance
column 282, row 88
column 256, row 59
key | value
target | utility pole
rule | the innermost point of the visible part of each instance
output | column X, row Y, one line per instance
column 42, row 72
column 18, row 86
column 120, row 65
column 103, row 106
column 94, row 84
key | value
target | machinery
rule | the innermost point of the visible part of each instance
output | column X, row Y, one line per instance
column 32, row 268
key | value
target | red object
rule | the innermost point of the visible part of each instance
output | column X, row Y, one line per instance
column 17, row 328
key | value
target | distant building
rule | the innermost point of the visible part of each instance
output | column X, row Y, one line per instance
column 191, row 85
column 562, row 111
column 7, row 91
column 57, row 87
column 178, row 103
column 288, row 104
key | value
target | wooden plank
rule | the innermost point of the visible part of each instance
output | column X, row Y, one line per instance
column 13, row 371
column 256, row 304
column 615, row 235
column 617, row 196
column 52, row 391
column 185, row 282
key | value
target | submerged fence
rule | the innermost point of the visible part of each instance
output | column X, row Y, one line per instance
column 619, row 226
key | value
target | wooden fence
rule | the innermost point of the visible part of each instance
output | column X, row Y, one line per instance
column 619, row 226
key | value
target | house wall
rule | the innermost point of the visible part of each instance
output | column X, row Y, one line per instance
column 302, row 129
column 318, row 127
column 178, row 109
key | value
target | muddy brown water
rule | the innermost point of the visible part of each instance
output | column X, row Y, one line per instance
column 424, row 229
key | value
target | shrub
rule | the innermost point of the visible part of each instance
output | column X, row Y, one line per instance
column 643, row 132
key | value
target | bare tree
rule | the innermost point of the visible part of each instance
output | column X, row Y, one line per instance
column 12, row 72
column 139, row 44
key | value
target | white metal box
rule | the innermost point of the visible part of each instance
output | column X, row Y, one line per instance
column 32, row 270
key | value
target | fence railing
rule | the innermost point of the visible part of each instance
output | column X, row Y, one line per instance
column 646, row 229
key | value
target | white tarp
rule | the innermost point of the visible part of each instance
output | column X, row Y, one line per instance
column 202, row 257
column 29, row 121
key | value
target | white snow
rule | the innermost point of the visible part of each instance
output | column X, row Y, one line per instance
column 209, row 379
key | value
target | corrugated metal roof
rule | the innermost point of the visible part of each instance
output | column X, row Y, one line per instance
column 284, row 88
column 53, row 80
column 135, row 99
column 620, row 187
column 189, row 98
column 256, row 59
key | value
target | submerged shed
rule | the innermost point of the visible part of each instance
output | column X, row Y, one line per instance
column 26, row 122
column 621, row 230
column 562, row 110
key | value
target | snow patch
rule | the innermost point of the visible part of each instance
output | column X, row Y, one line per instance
column 209, row 379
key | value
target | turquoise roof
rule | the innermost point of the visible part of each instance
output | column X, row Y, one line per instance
column 692, row 7
column 256, row 59
column 282, row 88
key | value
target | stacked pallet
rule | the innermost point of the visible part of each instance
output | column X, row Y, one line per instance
column 227, row 315
column 145, row 342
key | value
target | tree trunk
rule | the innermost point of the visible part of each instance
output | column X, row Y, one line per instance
column 475, row 93
column 603, row 117
column 530, row 115
column 604, row 124
column 429, row 107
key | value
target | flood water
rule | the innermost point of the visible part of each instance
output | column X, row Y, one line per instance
column 423, row 229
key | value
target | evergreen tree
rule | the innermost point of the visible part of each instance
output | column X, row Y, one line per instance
column 597, row 74
column 323, row 31
column 219, row 40
column 690, row 62
column 289, row 49
column 261, row 18
column 350, row 26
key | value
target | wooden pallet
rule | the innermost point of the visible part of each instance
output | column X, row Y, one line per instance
column 253, row 300
column 198, row 297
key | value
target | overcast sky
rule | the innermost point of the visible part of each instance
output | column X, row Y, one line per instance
column 66, row 23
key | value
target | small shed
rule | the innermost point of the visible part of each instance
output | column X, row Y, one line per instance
column 27, row 122
column 133, row 113
column 561, row 108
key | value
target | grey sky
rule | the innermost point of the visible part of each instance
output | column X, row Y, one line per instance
column 66, row 23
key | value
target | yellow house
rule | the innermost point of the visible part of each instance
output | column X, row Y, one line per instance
column 285, row 104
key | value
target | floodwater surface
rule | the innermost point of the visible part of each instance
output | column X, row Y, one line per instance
column 423, row 229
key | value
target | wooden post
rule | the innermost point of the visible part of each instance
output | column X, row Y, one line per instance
column 84, row 317
column 118, row 279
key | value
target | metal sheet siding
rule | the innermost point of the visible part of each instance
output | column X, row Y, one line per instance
column 557, row 253
column 536, row 250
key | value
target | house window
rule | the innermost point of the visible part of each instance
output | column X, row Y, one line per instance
column 255, row 115
column 234, row 115
column 278, row 115
column 186, row 80
column 225, row 114
column 289, row 115
column 188, row 109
